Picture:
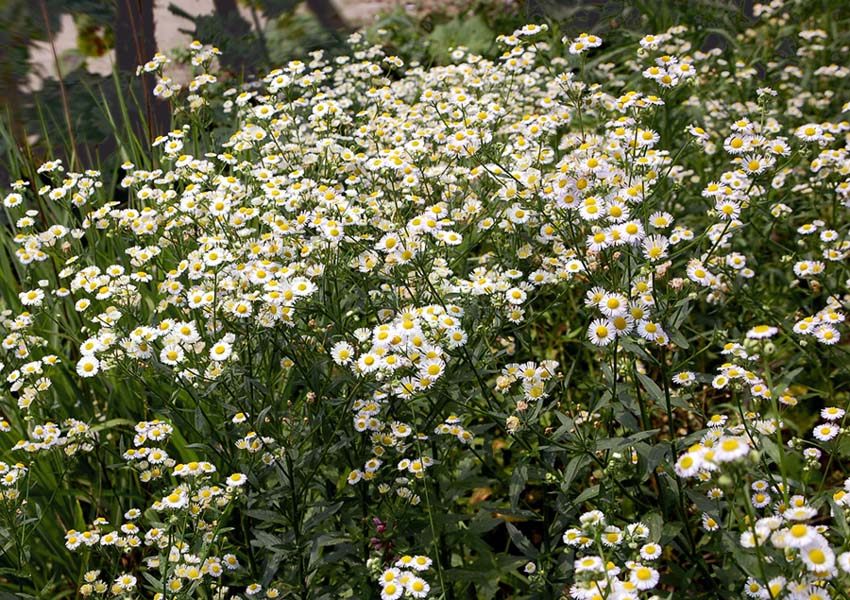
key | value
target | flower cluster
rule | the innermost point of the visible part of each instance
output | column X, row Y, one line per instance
column 622, row 565
column 802, row 545
column 403, row 579
column 182, row 533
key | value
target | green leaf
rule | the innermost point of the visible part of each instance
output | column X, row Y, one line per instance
column 657, row 455
column 651, row 388
column 519, row 478
column 588, row 494
column 614, row 443
column 655, row 522
column 640, row 436
column 677, row 338
column 520, row 541
column 318, row 518
column 633, row 348
column 670, row 531
column 611, row 443
column 771, row 449
column 482, row 523
column 572, row 469
column 263, row 539
column 265, row 516
column 112, row 423
column 322, row 541
column 840, row 519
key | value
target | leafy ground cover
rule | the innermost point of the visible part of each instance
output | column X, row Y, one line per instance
column 568, row 321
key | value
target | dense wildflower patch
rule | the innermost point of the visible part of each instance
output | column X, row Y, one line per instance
column 535, row 326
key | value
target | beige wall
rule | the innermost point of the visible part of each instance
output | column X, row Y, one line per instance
column 167, row 34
